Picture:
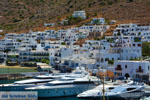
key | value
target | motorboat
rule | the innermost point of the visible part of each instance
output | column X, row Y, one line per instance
column 95, row 93
column 145, row 98
column 126, row 92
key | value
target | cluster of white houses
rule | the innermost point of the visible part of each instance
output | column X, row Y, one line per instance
column 113, row 53
column 133, row 30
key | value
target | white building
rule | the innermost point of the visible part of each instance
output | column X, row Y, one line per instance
column 25, row 55
column 93, row 28
column 69, row 36
column 133, row 30
column 1, row 31
column 134, row 69
column 49, row 24
column 51, row 34
column 91, row 44
column 120, row 49
column 81, row 14
column 98, row 21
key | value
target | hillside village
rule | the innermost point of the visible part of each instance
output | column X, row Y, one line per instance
column 83, row 46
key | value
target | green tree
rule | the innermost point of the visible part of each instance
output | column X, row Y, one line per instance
column 111, row 62
column 63, row 43
column 45, row 61
column 137, row 39
column 7, row 61
column 146, row 49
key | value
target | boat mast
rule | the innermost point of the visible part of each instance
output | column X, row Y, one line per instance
column 103, row 77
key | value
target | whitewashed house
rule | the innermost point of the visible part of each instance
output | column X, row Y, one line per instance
column 49, row 24
column 98, row 21
column 66, row 52
column 93, row 28
column 54, row 56
column 64, row 22
column 81, row 14
column 69, row 36
column 78, row 62
column 91, row 44
column 120, row 49
column 83, row 35
column 60, row 33
column 47, row 44
column 1, row 31
column 134, row 69
column 50, row 34
column 134, row 30
column 11, row 35
column 32, row 55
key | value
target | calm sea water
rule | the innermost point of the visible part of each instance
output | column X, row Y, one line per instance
column 75, row 98
column 63, row 98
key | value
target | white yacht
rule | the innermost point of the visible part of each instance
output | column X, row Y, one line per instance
column 126, row 92
column 40, row 80
column 145, row 98
column 96, row 92
column 20, row 85
column 64, row 87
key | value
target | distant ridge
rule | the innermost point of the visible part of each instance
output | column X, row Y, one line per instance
column 23, row 15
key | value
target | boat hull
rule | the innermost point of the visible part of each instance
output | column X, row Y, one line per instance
column 15, row 87
column 62, row 91
column 124, row 96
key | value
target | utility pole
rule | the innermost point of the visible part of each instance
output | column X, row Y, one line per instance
column 103, row 88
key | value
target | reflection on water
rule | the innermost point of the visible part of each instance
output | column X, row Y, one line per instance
column 75, row 98
column 64, row 98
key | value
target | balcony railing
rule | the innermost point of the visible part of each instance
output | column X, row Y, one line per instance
column 118, row 69
column 139, row 70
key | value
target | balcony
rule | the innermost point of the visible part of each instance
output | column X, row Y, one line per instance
column 118, row 69
column 139, row 70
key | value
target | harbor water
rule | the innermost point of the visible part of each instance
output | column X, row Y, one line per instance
column 75, row 98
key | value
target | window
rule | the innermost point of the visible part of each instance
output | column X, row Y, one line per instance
column 139, row 45
column 140, row 68
column 129, row 89
column 118, row 67
column 106, row 59
column 126, row 66
column 97, row 59
column 102, row 60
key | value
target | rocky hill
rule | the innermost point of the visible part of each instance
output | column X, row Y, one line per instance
column 17, row 15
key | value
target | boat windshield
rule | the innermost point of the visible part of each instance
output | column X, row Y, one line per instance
column 118, row 89
column 66, row 79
